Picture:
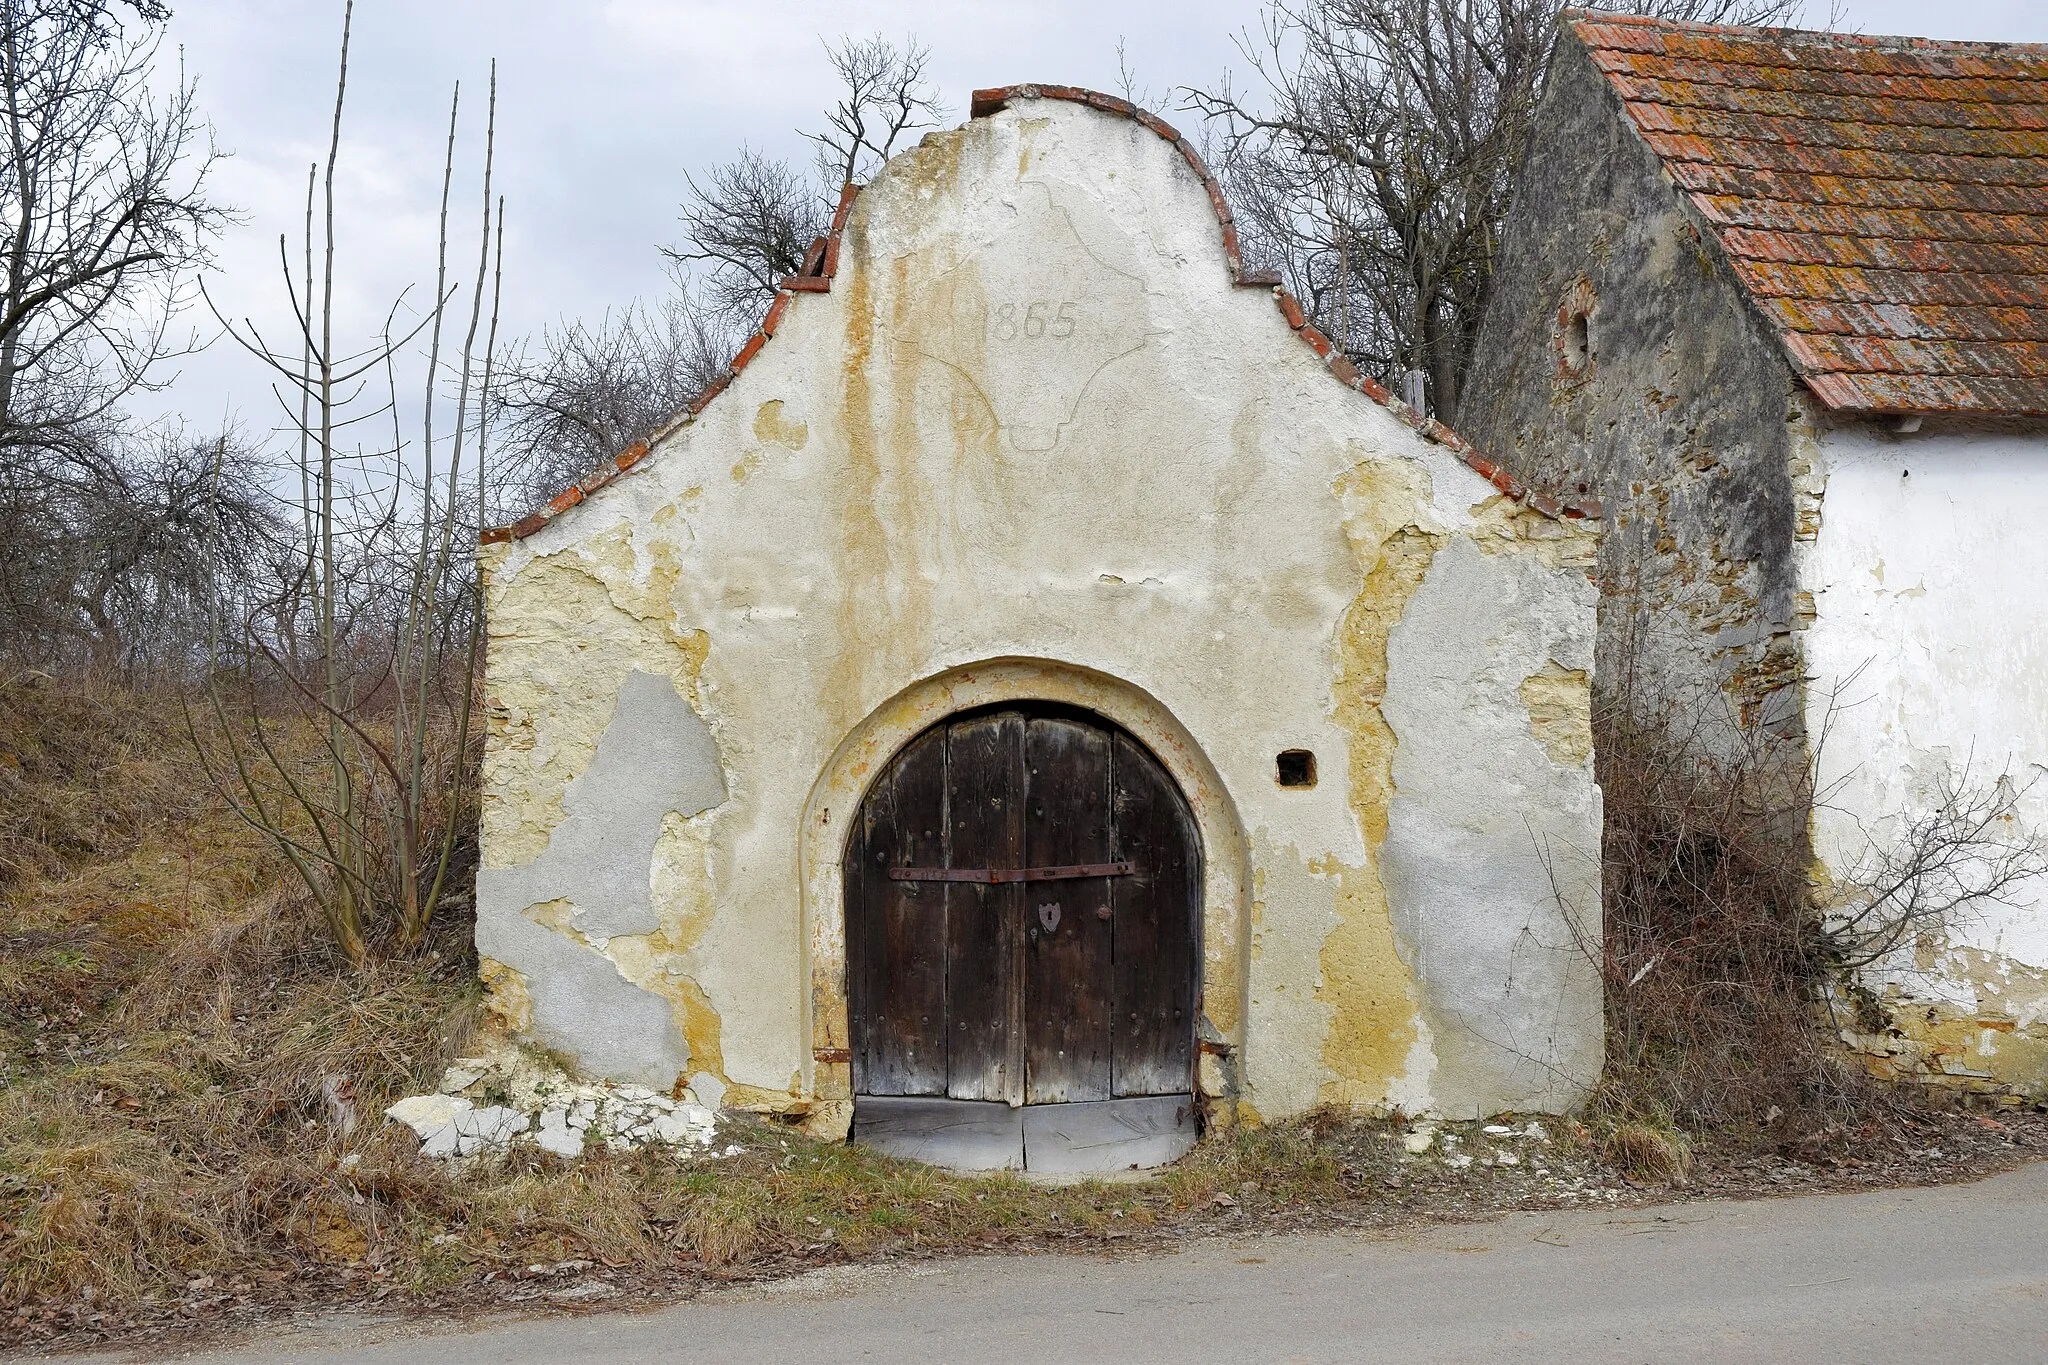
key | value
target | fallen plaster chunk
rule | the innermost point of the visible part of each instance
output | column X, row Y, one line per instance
column 489, row 1129
column 548, row 1109
column 555, row 1134
column 708, row 1090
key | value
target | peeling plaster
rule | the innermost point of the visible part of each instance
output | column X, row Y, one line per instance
column 1182, row 521
column 656, row 759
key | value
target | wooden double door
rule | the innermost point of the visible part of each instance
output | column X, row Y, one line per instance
column 1023, row 893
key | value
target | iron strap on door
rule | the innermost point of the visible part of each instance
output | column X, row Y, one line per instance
column 999, row 876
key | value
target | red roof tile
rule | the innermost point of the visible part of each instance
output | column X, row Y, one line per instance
column 1883, row 200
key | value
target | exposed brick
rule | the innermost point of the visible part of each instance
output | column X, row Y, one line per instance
column 775, row 312
column 631, row 455
column 832, row 1055
column 1193, row 156
column 814, row 257
column 1373, row 389
column 565, row 500
column 1259, row 279
column 598, row 477
column 1290, row 308
column 1545, row 504
column 985, row 102
column 711, row 391
column 1346, row 372
column 1071, row 93
column 1157, row 124
column 807, row 284
column 1111, row 104
column 495, row 535
column 748, row 351
column 528, row 525
column 829, row 267
column 1313, row 336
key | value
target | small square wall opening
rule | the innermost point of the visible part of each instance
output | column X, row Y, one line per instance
column 1295, row 768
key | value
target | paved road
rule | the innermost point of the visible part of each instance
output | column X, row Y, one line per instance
column 1953, row 1274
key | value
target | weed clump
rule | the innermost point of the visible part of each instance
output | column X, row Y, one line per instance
column 1716, row 966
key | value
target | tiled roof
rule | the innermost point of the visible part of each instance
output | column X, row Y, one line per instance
column 1883, row 200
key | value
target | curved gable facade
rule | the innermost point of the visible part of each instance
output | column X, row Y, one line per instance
column 1029, row 436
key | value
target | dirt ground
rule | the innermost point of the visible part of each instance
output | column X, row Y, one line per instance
column 1360, row 1174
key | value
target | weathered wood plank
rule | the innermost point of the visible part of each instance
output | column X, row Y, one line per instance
column 1108, row 1135
column 963, row 1135
column 985, row 829
column 860, row 985
column 906, row 937
column 1157, row 921
column 1067, row 986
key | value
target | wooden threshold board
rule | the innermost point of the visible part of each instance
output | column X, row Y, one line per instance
column 1091, row 1137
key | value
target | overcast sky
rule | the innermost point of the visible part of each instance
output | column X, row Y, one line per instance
column 603, row 104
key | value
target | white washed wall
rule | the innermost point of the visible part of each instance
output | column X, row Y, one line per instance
column 1929, row 584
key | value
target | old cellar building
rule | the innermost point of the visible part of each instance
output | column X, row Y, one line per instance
column 1780, row 300
column 1044, row 701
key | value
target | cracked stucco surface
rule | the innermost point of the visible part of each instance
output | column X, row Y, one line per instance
column 1168, row 510
column 1927, row 645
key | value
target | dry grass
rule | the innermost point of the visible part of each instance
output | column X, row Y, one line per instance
column 192, row 1084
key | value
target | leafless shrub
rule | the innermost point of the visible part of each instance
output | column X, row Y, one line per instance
column 373, row 644
column 1720, row 968
column 1964, row 851
column 1373, row 161
column 749, row 222
column 583, row 392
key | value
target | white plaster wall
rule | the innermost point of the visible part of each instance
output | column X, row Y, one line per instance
column 1929, row 584
column 1173, row 492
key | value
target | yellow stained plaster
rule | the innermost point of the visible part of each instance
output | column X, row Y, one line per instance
column 1560, row 702
column 773, row 427
column 2000, row 1045
column 1363, row 978
column 566, row 631
column 507, row 1002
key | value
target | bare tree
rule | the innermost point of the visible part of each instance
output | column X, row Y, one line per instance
column 751, row 221
column 376, row 638
column 102, row 200
column 123, row 570
column 747, row 224
column 583, row 391
column 1374, row 162
column 586, row 391
column 103, row 222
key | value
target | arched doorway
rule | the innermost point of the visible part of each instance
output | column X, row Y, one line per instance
column 1023, row 913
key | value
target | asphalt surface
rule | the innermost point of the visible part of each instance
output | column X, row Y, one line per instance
column 1958, row 1273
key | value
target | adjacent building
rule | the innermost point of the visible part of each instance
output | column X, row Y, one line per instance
column 1779, row 300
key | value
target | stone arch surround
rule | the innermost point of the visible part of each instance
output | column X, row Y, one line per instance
column 835, row 801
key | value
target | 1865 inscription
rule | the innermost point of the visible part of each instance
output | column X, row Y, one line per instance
column 1030, row 320
column 1038, row 318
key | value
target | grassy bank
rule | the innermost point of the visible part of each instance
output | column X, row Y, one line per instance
column 192, row 1086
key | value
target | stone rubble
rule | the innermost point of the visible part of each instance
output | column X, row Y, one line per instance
column 491, row 1104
